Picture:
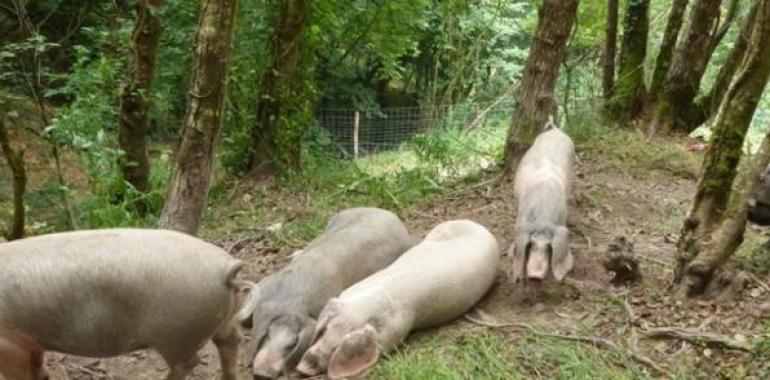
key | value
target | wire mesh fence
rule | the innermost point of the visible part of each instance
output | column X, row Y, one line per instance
column 357, row 133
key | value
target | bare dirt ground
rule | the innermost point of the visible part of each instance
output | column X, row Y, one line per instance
column 644, row 208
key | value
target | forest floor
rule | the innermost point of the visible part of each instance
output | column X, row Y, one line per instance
column 587, row 329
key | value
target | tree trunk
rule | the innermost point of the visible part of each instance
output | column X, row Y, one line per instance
column 277, row 136
column 135, row 102
column 707, row 237
column 670, row 36
column 610, row 44
column 208, row 83
column 629, row 92
column 710, row 102
column 16, row 163
column 674, row 106
column 535, row 95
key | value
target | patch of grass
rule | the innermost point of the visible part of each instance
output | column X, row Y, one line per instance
column 301, row 231
column 481, row 354
column 752, row 256
column 627, row 150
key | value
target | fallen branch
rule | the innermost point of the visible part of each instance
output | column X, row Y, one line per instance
column 484, row 113
column 594, row 341
column 697, row 337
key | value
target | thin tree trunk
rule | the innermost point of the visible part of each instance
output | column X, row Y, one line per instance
column 674, row 106
column 723, row 28
column 535, row 96
column 16, row 163
column 190, row 181
column 135, row 102
column 629, row 92
column 711, row 101
column 670, row 36
column 707, row 236
column 275, row 140
column 610, row 46
column 31, row 64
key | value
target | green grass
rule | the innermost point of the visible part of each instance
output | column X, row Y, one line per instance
column 481, row 354
column 751, row 255
column 627, row 150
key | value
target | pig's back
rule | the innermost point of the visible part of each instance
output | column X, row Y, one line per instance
column 548, row 162
column 356, row 243
column 438, row 279
column 108, row 291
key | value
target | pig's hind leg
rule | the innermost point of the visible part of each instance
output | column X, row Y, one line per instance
column 180, row 368
column 181, row 356
column 227, row 340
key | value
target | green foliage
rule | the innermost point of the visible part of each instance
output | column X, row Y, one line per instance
column 168, row 94
column 250, row 57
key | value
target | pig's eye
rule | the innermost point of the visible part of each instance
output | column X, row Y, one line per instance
column 292, row 344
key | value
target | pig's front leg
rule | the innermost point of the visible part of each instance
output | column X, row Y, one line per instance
column 394, row 328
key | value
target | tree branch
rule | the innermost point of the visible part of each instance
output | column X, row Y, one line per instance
column 697, row 337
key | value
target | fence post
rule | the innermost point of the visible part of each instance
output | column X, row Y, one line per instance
column 356, row 118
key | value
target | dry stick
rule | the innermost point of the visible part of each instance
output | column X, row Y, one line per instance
column 697, row 337
column 594, row 341
column 484, row 113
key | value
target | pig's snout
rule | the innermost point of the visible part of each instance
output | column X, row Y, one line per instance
column 537, row 267
column 267, row 365
column 264, row 375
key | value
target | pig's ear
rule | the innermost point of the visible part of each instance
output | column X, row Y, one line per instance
column 357, row 353
column 518, row 252
column 561, row 257
column 331, row 310
column 248, row 295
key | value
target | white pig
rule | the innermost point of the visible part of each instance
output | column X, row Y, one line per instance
column 433, row 283
column 542, row 186
column 102, row 293
column 357, row 242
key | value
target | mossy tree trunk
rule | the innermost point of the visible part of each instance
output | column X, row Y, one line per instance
column 535, row 96
column 710, row 232
column 134, row 101
column 283, row 108
column 674, row 105
column 610, row 46
column 629, row 92
column 709, row 103
column 188, row 188
column 15, row 159
column 670, row 36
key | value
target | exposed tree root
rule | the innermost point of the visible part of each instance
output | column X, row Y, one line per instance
column 697, row 337
column 594, row 341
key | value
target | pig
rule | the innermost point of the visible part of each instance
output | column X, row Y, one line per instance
column 542, row 186
column 284, row 306
column 102, row 293
column 433, row 283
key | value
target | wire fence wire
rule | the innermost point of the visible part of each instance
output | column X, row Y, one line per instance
column 358, row 133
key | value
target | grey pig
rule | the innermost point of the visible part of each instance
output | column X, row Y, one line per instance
column 356, row 243
column 542, row 186
column 102, row 293
column 433, row 283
